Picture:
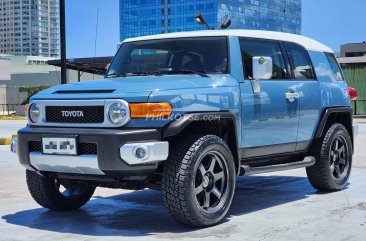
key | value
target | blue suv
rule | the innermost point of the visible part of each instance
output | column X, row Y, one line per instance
column 186, row 113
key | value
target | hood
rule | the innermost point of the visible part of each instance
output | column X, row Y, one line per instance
column 133, row 88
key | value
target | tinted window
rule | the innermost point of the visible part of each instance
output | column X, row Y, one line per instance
column 256, row 48
column 300, row 61
column 208, row 54
column 337, row 72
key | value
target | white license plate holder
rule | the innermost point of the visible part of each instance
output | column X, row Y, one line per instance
column 67, row 145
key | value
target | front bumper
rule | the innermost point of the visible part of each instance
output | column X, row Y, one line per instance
column 111, row 157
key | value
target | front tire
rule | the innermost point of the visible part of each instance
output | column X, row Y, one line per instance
column 198, row 181
column 57, row 194
column 333, row 153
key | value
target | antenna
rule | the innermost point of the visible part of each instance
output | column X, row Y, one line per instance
column 96, row 34
column 96, row 37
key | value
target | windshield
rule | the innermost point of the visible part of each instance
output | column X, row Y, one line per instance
column 164, row 56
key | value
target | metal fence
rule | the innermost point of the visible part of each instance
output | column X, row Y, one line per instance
column 356, row 78
column 359, row 107
column 8, row 109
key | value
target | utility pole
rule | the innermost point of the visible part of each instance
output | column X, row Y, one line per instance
column 63, row 42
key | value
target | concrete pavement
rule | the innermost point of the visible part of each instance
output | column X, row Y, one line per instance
column 281, row 207
column 277, row 206
column 10, row 127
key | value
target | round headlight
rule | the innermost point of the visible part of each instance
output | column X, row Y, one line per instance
column 34, row 112
column 118, row 113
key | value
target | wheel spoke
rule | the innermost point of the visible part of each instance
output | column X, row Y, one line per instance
column 342, row 161
column 218, row 176
column 338, row 170
column 202, row 169
column 332, row 167
column 336, row 144
column 216, row 192
column 212, row 164
column 341, row 150
column 206, row 203
column 198, row 189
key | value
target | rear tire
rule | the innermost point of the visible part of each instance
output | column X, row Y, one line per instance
column 333, row 153
column 198, row 181
column 47, row 192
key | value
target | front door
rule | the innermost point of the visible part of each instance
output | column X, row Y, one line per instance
column 269, row 119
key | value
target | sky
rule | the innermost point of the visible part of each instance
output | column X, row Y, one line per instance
column 332, row 22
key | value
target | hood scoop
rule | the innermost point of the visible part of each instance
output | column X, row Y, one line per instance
column 83, row 91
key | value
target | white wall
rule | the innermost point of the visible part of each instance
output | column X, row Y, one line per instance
column 5, row 69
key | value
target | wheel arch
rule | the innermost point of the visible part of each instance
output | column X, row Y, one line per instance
column 332, row 115
column 222, row 124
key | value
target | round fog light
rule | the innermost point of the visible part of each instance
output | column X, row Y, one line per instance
column 141, row 152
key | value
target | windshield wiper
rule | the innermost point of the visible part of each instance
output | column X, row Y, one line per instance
column 116, row 75
column 201, row 73
column 145, row 73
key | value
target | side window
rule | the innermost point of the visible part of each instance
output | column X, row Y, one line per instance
column 254, row 48
column 335, row 66
column 300, row 62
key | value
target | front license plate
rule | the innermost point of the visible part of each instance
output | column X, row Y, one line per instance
column 59, row 145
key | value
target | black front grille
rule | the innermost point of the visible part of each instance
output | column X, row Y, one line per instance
column 87, row 148
column 83, row 148
column 35, row 146
column 75, row 114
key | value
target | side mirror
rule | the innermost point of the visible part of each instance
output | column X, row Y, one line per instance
column 262, row 69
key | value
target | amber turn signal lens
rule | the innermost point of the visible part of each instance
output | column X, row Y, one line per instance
column 150, row 110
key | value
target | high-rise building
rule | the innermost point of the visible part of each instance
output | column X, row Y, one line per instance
column 144, row 17
column 29, row 27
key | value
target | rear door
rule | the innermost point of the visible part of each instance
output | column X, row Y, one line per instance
column 269, row 119
column 309, row 93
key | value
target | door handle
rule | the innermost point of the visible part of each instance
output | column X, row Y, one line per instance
column 292, row 96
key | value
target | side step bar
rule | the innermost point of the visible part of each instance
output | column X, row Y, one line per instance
column 246, row 170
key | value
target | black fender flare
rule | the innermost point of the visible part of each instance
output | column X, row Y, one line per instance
column 178, row 125
column 326, row 113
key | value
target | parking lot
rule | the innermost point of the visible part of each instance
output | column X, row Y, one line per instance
column 277, row 206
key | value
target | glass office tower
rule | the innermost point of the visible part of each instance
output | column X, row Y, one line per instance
column 145, row 17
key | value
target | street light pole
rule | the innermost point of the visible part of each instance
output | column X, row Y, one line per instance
column 63, row 42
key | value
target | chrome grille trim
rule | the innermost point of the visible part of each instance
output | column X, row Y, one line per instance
column 106, row 103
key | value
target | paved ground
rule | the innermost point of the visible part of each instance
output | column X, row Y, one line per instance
column 360, row 120
column 10, row 127
column 281, row 206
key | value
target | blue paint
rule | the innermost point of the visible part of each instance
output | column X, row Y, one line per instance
column 262, row 119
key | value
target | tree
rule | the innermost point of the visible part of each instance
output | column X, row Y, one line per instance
column 31, row 90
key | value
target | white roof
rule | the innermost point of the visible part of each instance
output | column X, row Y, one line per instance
column 306, row 42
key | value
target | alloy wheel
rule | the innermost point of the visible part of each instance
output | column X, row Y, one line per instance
column 211, row 182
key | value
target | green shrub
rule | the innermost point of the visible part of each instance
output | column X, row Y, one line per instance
column 31, row 90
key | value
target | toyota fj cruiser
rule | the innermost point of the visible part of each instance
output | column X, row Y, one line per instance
column 188, row 112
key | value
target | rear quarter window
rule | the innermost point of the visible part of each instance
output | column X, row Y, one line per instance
column 336, row 69
column 300, row 62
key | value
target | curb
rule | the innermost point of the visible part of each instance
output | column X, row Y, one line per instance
column 5, row 141
column 12, row 118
